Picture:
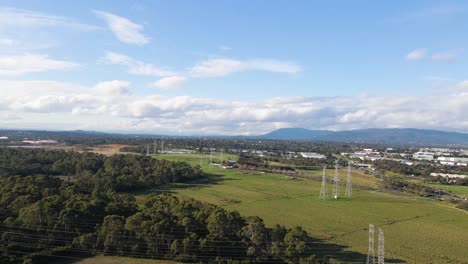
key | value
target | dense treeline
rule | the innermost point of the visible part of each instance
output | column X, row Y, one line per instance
column 117, row 172
column 419, row 169
column 401, row 184
column 42, row 217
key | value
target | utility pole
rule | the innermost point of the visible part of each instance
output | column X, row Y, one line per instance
column 370, row 252
column 336, row 182
column 162, row 147
column 147, row 150
column 349, row 184
column 221, row 158
column 381, row 256
column 323, row 190
column 155, row 147
column 201, row 159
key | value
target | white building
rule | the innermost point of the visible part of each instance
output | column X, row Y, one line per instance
column 423, row 156
column 47, row 141
column 312, row 155
column 449, row 176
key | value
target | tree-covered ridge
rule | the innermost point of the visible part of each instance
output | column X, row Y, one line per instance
column 42, row 217
column 117, row 173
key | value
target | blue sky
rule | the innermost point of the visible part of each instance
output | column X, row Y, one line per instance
column 233, row 67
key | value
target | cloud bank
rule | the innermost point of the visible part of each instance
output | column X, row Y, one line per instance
column 114, row 100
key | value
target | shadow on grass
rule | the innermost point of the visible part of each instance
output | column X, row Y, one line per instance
column 207, row 180
column 322, row 248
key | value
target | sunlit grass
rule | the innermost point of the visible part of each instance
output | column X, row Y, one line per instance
column 417, row 230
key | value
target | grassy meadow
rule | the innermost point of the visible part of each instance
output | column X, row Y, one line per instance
column 417, row 230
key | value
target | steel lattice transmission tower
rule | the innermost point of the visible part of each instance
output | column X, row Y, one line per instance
column 336, row 182
column 349, row 184
column 323, row 190
column 381, row 256
column 370, row 252
column 211, row 158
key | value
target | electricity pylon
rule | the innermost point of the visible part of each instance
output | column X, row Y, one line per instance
column 211, row 158
column 381, row 256
column 147, row 150
column 323, row 190
column 349, row 184
column 155, row 147
column 370, row 252
column 336, row 182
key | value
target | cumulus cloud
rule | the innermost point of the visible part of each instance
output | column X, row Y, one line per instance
column 124, row 29
column 169, row 82
column 417, row 54
column 136, row 67
column 21, row 64
column 115, row 87
column 224, row 66
column 137, row 112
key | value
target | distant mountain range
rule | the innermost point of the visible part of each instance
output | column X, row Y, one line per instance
column 391, row 136
column 386, row 136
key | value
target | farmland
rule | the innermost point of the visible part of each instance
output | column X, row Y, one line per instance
column 417, row 230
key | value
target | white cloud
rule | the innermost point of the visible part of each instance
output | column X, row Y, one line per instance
column 91, row 107
column 12, row 19
column 7, row 42
column 124, row 29
column 225, row 66
column 421, row 53
column 115, row 87
column 135, row 66
column 21, row 64
column 169, row 82
column 463, row 84
column 417, row 54
column 450, row 55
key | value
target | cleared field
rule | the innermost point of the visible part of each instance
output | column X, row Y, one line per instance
column 107, row 150
column 417, row 230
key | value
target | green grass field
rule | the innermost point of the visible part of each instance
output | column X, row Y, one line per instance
column 417, row 230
